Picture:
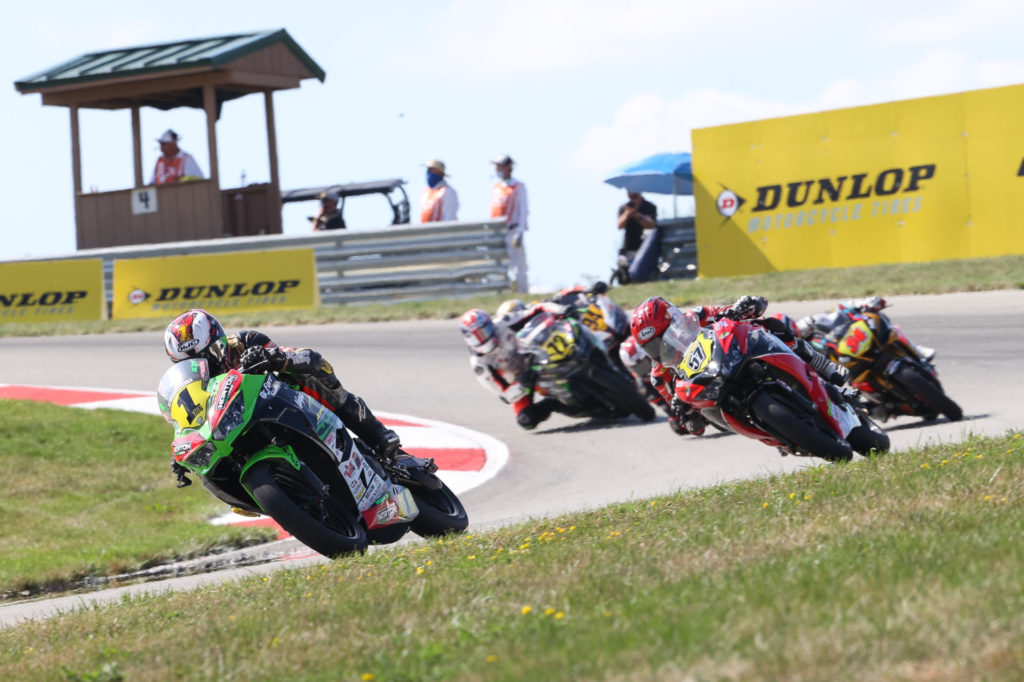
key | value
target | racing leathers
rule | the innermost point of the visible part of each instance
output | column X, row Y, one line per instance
column 748, row 308
column 638, row 364
column 506, row 371
column 825, row 327
column 254, row 351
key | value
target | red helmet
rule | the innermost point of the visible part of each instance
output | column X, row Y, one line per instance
column 478, row 331
column 789, row 322
column 650, row 320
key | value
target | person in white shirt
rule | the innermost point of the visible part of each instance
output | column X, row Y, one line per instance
column 439, row 200
column 174, row 165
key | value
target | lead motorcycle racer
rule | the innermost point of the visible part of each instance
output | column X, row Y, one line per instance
column 197, row 334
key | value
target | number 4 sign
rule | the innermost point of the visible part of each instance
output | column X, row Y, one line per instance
column 144, row 200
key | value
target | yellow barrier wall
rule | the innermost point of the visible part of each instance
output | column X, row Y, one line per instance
column 910, row 181
column 52, row 291
column 164, row 287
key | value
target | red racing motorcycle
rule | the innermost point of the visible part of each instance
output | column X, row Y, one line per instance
column 743, row 378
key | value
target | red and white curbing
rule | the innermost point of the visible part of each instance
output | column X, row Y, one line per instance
column 465, row 458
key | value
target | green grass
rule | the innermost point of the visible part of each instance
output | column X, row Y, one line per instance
column 1005, row 272
column 89, row 493
column 903, row 567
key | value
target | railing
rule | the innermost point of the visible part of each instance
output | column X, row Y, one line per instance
column 412, row 264
column 678, row 249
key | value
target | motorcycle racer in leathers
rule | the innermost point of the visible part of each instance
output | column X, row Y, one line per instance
column 652, row 317
column 198, row 334
column 498, row 363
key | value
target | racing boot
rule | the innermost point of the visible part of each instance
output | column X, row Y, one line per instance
column 534, row 414
column 826, row 369
column 358, row 418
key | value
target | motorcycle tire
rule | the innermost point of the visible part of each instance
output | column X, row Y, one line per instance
column 794, row 428
column 622, row 392
column 287, row 497
column 867, row 437
column 929, row 393
column 441, row 512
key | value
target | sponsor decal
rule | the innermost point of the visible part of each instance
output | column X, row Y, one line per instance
column 47, row 298
column 225, row 391
column 728, row 202
column 388, row 511
column 228, row 290
column 645, row 334
column 137, row 296
column 842, row 198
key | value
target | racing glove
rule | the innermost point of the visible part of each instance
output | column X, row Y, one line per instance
column 258, row 360
column 747, row 308
column 179, row 473
column 872, row 304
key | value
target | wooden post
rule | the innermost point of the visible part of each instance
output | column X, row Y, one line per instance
column 268, row 102
column 216, row 227
column 274, row 200
column 76, row 152
column 137, row 144
column 210, row 104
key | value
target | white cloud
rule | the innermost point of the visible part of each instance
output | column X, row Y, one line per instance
column 935, row 24
column 542, row 36
column 649, row 123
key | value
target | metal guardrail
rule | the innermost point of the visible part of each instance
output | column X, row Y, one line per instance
column 678, row 249
column 410, row 264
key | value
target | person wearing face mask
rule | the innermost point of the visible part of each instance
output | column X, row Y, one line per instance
column 508, row 202
column 439, row 201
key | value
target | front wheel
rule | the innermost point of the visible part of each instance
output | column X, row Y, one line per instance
column 867, row 437
column 929, row 393
column 311, row 514
column 617, row 388
column 800, row 430
column 441, row 512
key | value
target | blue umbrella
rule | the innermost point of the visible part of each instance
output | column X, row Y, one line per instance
column 669, row 173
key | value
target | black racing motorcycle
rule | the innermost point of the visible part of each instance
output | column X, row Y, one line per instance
column 570, row 366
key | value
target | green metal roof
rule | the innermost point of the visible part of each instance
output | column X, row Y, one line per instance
column 212, row 53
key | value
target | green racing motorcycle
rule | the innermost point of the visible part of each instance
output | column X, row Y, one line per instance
column 263, row 447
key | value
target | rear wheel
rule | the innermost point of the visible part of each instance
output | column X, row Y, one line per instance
column 313, row 517
column 929, row 393
column 441, row 512
column 799, row 429
column 621, row 391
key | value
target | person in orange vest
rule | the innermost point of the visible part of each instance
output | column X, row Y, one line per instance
column 439, row 200
column 174, row 165
column 508, row 201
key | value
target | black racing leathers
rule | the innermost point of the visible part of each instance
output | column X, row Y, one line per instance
column 315, row 375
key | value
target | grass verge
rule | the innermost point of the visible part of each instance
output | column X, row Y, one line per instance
column 1005, row 272
column 903, row 567
column 89, row 493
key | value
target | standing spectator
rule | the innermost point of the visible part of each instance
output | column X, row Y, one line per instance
column 329, row 215
column 174, row 165
column 508, row 201
column 635, row 216
column 439, row 200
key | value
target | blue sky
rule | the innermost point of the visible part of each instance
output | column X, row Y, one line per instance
column 570, row 89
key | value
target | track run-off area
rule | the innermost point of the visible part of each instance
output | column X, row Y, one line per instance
column 417, row 373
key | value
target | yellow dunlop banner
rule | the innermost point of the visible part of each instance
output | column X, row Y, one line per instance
column 910, row 181
column 52, row 291
column 220, row 283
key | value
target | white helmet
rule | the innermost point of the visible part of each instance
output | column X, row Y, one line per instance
column 478, row 330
